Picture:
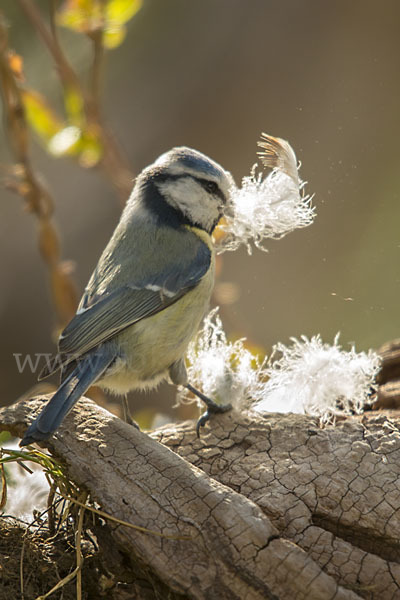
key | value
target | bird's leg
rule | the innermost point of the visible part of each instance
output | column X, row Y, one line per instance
column 178, row 375
column 212, row 407
column 126, row 412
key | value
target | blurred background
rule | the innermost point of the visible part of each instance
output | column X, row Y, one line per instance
column 214, row 74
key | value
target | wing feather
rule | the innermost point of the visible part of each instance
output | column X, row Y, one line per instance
column 110, row 313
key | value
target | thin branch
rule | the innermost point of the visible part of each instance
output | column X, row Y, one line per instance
column 78, row 548
column 97, row 65
column 66, row 72
column 3, row 500
column 31, row 187
column 53, row 25
column 79, row 562
column 105, row 515
column 114, row 164
column 21, row 569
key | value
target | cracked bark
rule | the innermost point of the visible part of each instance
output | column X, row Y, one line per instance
column 265, row 506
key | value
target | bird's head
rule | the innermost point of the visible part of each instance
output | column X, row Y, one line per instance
column 193, row 184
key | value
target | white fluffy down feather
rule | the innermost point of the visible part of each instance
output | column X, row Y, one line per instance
column 309, row 376
column 268, row 207
column 225, row 371
column 26, row 492
column 319, row 379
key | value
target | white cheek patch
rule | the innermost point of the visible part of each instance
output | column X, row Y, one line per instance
column 188, row 196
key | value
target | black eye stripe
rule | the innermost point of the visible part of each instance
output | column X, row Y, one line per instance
column 209, row 185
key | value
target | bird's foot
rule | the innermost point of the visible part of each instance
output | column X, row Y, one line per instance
column 208, row 414
column 212, row 408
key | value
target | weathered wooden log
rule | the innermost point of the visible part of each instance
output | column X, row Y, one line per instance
column 262, row 506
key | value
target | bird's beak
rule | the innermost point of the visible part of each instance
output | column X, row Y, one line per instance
column 227, row 210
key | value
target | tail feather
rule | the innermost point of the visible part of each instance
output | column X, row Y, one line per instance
column 53, row 364
column 72, row 388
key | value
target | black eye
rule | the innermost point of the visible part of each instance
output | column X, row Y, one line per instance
column 211, row 187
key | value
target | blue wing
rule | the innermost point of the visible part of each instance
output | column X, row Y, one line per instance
column 101, row 316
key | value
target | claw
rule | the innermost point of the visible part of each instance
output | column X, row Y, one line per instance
column 212, row 408
column 202, row 421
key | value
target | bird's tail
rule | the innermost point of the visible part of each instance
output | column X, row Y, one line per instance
column 87, row 371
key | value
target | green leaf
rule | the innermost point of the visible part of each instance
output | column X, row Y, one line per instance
column 74, row 105
column 121, row 11
column 80, row 143
column 89, row 16
column 90, row 149
column 83, row 16
column 65, row 141
column 74, row 138
column 5, row 436
column 114, row 37
column 40, row 115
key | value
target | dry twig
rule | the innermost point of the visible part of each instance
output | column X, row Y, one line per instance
column 30, row 186
column 113, row 162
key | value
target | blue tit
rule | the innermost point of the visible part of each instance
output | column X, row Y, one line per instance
column 149, row 291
